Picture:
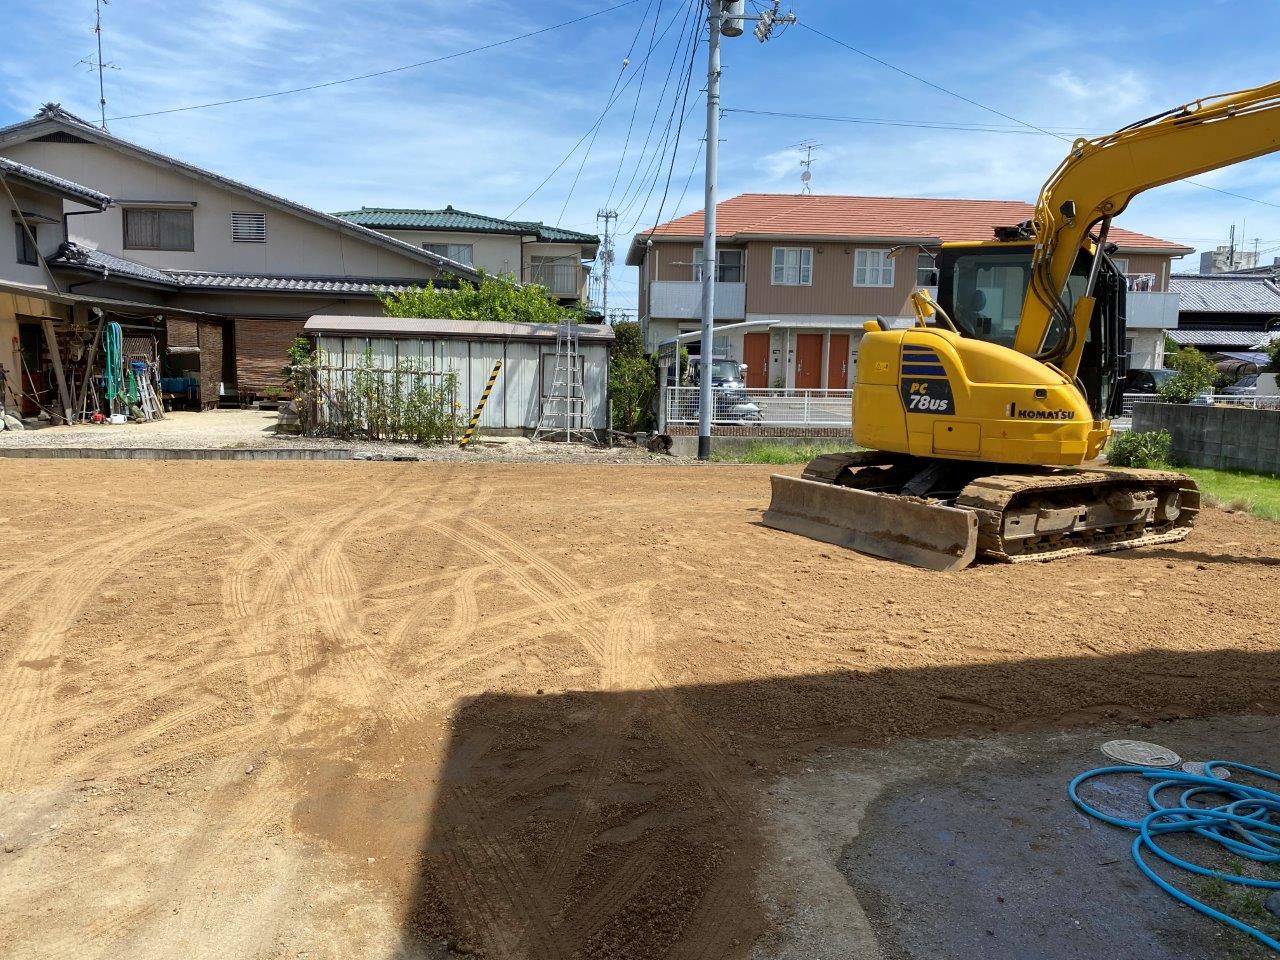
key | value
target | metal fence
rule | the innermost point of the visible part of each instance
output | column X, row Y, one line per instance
column 1247, row 401
column 775, row 407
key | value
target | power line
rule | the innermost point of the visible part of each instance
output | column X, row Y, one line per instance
column 635, row 105
column 643, row 166
column 998, row 113
column 609, row 101
column 388, row 71
column 581, row 140
column 675, row 149
column 887, row 122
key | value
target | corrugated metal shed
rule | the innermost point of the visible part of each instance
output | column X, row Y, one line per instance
column 470, row 348
column 1209, row 294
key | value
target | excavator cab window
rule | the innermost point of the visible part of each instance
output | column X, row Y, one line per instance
column 982, row 289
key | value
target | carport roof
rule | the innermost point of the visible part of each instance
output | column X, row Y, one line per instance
column 446, row 329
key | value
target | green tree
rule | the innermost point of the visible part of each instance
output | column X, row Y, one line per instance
column 1195, row 374
column 633, row 380
column 491, row 299
column 1273, row 350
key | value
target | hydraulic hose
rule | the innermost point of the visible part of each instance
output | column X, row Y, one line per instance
column 1246, row 825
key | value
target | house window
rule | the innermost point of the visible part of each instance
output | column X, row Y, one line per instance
column 27, row 252
column 458, row 252
column 1122, row 264
column 792, row 266
column 728, row 266
column 873, row 268
column 1128, row 346
column 154, row 228
column 926, row 270
column 248, row 227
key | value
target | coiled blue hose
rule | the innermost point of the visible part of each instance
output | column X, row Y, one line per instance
column 1246, row 825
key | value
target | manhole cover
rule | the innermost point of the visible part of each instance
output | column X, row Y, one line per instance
column 1140, row 753
column 1197, row 767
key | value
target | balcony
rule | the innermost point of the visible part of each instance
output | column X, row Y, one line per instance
column 560, row 279
column 1158, row 311
column 682, row 300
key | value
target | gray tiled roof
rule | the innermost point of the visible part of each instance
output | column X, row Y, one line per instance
column 64, row 188
column 1219, row 338
column 239, row 281
column 76, row 257
column 1223, row 294
column 54, row 113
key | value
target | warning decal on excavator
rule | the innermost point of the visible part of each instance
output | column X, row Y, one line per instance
column 928, row 395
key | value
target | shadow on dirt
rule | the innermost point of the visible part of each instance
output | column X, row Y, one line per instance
column 626, row 824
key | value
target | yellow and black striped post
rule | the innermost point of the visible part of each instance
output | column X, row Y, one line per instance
column 484, row 398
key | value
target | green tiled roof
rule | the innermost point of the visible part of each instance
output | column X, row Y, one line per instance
column 458, row 221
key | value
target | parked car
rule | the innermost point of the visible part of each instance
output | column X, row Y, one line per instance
column 1246, row 386
column 729, row 390
column 1147, row 381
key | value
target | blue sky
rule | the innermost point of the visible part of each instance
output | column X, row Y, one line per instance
column 482, row 131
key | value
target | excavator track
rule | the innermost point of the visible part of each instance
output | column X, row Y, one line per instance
column 872, row 502
column 1027, row 516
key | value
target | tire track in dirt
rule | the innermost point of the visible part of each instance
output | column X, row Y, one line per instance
column 25, row 693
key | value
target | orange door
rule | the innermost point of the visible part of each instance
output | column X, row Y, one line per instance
column 838, row 362
column 808, row 361
column 755, row 354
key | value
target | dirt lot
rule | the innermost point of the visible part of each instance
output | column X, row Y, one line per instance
column 424, row 710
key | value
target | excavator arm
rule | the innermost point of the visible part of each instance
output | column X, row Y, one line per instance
column 1095, row 183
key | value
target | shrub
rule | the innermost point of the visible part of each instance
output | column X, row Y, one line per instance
column 1274, row 351
column 633, row 380
column 1141, row 450
column 491, row 299
column 1195, row 374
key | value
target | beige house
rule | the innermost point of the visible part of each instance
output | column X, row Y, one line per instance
column 551, row 257
column 231, row 270
column 797, row 276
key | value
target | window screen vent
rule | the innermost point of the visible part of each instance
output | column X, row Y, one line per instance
column 248, row 227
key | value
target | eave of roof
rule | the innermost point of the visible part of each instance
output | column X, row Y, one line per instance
column 55, row 116
column 465, row 329
column 50, row 183
column 452, row 220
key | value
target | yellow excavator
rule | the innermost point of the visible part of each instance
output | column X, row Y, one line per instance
column 977, row 420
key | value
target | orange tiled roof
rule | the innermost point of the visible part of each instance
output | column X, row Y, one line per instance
column 783, row 215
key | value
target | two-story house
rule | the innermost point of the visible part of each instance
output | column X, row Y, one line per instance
column 529, row 252
column 797, row 276
column 231, row 271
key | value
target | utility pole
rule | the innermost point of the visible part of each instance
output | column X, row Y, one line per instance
column 725, row 17
column 606, row 256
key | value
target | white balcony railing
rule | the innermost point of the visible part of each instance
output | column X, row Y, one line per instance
column 1152, row 310
column 682, row 300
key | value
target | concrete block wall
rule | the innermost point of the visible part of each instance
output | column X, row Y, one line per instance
column 1221, row 437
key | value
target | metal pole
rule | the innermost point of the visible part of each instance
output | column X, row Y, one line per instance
column 709, row 234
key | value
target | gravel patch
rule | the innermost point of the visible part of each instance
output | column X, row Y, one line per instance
column 255, row 430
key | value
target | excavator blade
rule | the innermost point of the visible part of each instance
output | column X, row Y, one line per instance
column 905, row 529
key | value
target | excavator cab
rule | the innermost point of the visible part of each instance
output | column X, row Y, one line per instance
column 982, row 287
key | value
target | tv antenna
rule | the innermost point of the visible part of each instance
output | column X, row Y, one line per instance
column 806, row 178
column 99, row 64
